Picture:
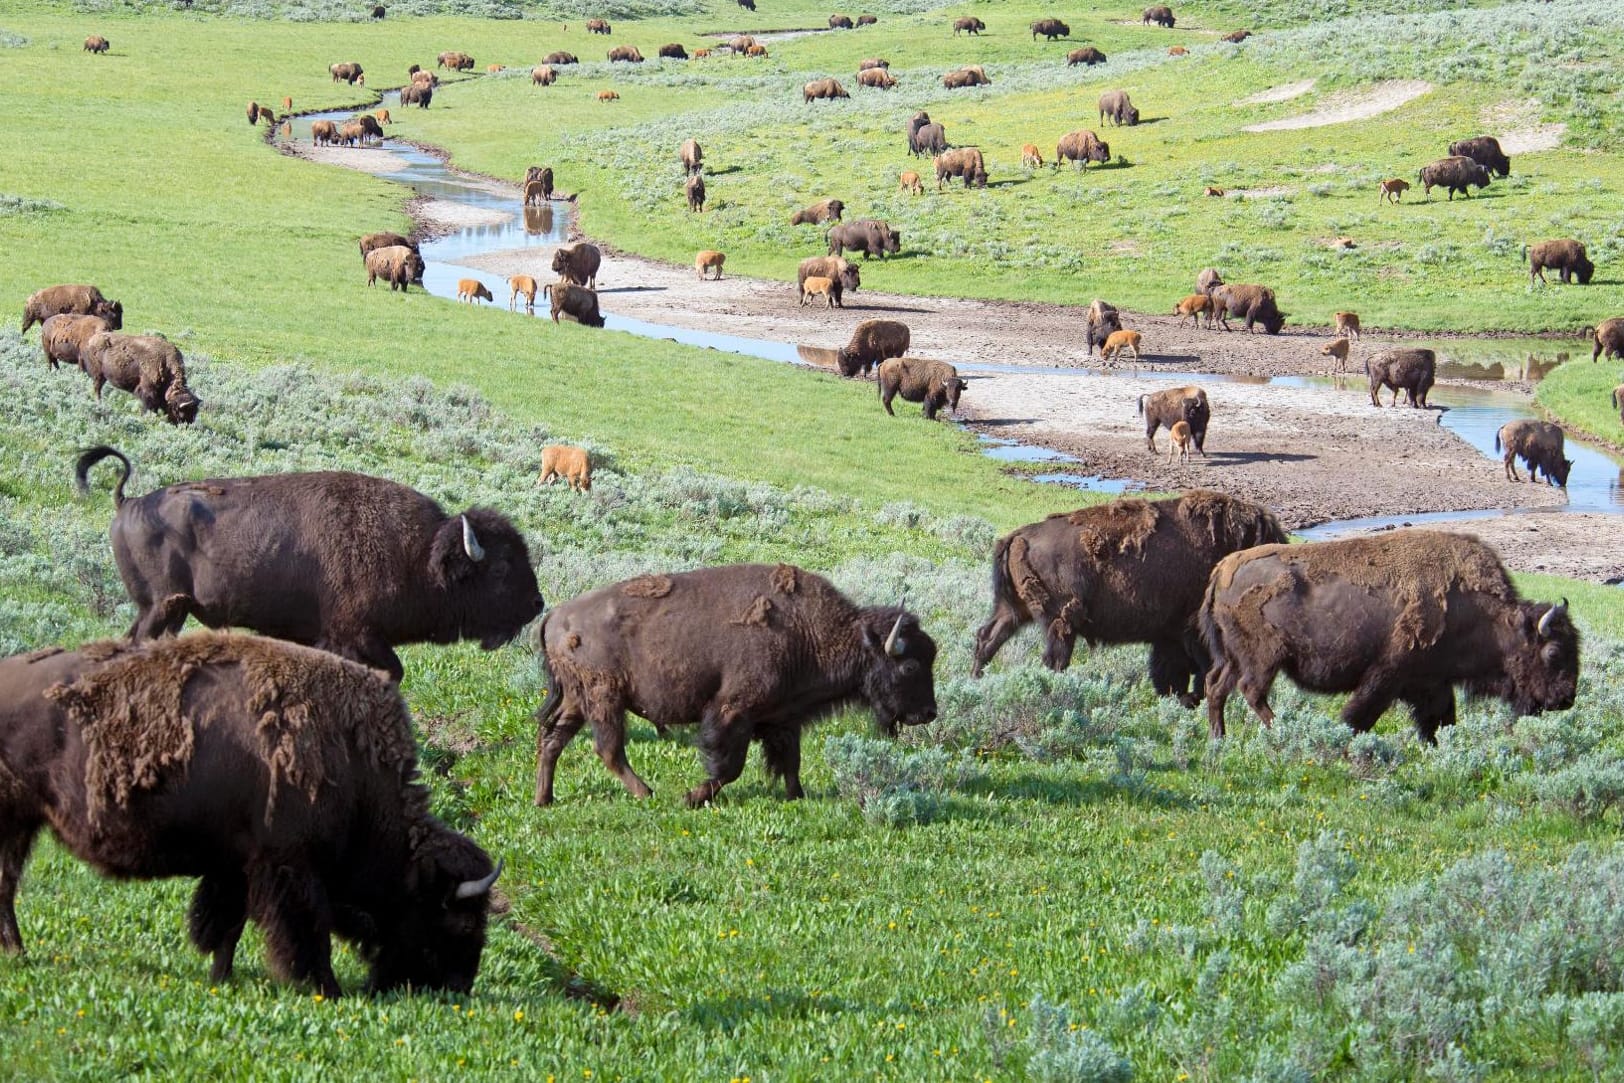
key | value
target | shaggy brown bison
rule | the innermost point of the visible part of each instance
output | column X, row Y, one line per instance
column 253, row 113
column 748, row 5
column 1455, row 174
column 560, row 57
column 968, row 24
column 1172, row 405
column 934, row 383
column 740, row 43
column 1566, row 257
column 868, row 236
column 693, row 156
column 397, row 265
column 578, row 264
column 1540, row 445
column 965, row 77
column 1607, row 337
column 1114, row 104
column 750, row 652
column 95, row 43
column 876, row 79
column 673, row 51
column 823, row 88
column 1131, row 571
column 1485, row 151
column 695, row 191
column 456, row 61
column 147, row 366
column 323, row 133
column 1253, row 303
column 541, row 176
column 840, row 22
column 63, row 337
column 76, row 300
column 418, row 94
column 344, row 562
column 1235, row 37
column 870, row 63
column 867, row 20
column 1080, row 148
column 1086, row 55
column 285, row 778
column 1401, row 617
column 871, row 342
column 965, row 162
column 374, row 241
column 1411, row 371
column 842, row 275
column 824, row 210
column 1050, row 29
column 543, row 75
column 573, row 464
column 1160, row 15
column 625, row 54
column 577, row 302
column 350, row 73
column 1103, row 320
column 1346, row 324
column 598, row 26
column 1208, row 280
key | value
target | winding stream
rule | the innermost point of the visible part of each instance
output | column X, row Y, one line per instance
column 1475, row 414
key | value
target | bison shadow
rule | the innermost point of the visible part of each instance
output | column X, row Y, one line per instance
column 634, row 289
column 1170, row 358
column 725, row 172
column 994, row 422
column 1242, row 458
column 561, row 977
column 886, row 308
column 727, row 1013
column 1053, row 790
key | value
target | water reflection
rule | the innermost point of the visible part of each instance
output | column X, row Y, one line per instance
column 538, row 220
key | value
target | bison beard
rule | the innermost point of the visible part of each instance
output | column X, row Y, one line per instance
column 283, row 777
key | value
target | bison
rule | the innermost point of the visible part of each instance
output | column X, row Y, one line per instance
column 543, row 75
column 1392, row 190
column 1607, row 337
column 818, row 286
column 1618, row 402
column 1409, row 370
column 872, row 62
column 708, row 259
column 1540, row 445
column 1086, row 55
column 695, row 191
column 870, row 237
column 1566, row 257
column 1254, row 304
column 625, row 53
column 965, row 77
column 872, row 341
column 750, row 652
column 598, row 26
column 1485, row 151
column 374, row 241
column 561, row 57
column 398, row 265
column 924, row 137
column 964, row 162
column 968, row 24
column 693, row 156
column 824, row 210
column 76, row 300
column 344, row 562
column 418, row 94
column 1235, row 37
column 63, row 337
column 934, row 383
column 1159, row 15
column 1193, row 308
column 1114, row 104
column 324, row 133
column 876, row 79
column 522, row 286
column 97, row 44
column 673, row 51
column 1454, row 174
column 578, row 264
column 283, row 777
column 1080, row 148
column 350, row 73
column 573, row 464
column 1172, row 405
column 823, row 88
column 867, row 20
column 1050, row 29
column 840, row 22
column 1103, row 320
column 1208, row 280
column 1131, row 571
column 1119, row 341
column 456, row 61
column 147, row 366
column 473, row 291
column 577, row 302
column 841, row 275
column 1401, row 617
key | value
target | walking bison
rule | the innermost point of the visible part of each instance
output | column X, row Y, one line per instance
column 398, row 265
column 1159, row 15
column 350, row 73
column 63, row 338
column 1455, row 174
column 842, row 276
column 968, row 24
column 823, row 88
column 1253, row 303
column 1086, row 55
column 1566, row 257
column 1050, row 29
column 868, row 236
column 965, row 162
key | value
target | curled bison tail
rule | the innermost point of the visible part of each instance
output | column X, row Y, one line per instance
column 90, row 457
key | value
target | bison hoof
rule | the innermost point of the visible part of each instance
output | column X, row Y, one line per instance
column 1189, row 699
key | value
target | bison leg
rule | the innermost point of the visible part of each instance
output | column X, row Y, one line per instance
column 1151, row 425
column 14, row 850
column 289, row 905
column 1256, row 694
column 1432, row 708
column 1369, row 702
column 724, row 741
column 1172, row 671
column 609, row 740
column 1220, row 683
column 994, row 634
column 1511, row 468
column 781, row 748
column 216, row 918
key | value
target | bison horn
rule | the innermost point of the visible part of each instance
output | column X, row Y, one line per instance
column 470, row 542
column 893, row 641
column 1545, row 621
column 473, row 889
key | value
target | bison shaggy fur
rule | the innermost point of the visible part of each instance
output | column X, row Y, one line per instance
column 824, row 210
column 1160, row 15
column 1455, row 174
column 1253, row 303
column 872, row 341
column 578, row 264
column 1566, row 257
column 841, row 275
column 63, row 337
column 1086, row 55
column 1608, row 338
column 934, row 383
column 577, row 302
column 868, row 236
column 1080, row 148
column 1114, row 104
column 1174, row 404
column 965, row 162
column 147, row 366
column 1050, row 29
column 1540, row 446
column 823, row 88
column 74, row 300
column 1485, row 151
column 398, row 265
column 1409, row 370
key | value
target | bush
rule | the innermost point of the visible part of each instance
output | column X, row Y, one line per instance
column 890, row 784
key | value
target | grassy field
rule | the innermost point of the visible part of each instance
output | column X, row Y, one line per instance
column 1060, row 880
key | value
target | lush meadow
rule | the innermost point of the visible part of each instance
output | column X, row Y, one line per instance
column 1061, row 879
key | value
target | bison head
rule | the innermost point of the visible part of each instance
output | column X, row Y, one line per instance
column 893, row 242
column 850, row 278
column 899, row 683
column 1130, row 115
column 113, row 312
column 434, row 935
column 414, row 268
column 1541, row 659
column 482, row 566
column 955, row 387
column 181, row 405
column 1583, row 269
column 1100, row 152
column 1558, row 471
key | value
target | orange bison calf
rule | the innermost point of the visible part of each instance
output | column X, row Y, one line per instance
column 709, row 259
column 525, row 285
column 473, row 290
column 573, row 464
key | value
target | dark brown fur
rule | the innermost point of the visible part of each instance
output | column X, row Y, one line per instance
column 963, row 162
column 868, row 236
column 1050, row 29
column 823, row 88
column 578, row 264
column 1567, row 257
column 1080, row 148
column 968, row 24
column 1168, row 407
column 397, row 265
column 72, row 300
column 1456, row 174
column 577, row 302
column 1115, row 106
column 695, row 191
column 1253, row 303
column 63, row 337
column 1608, row 338
column 1410, row 370
column 147, row 366
column 1540, row 446
column 871, row 342
column 1086, row 55
column 1485, row 151
column 934, row 383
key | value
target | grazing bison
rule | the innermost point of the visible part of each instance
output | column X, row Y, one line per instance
column 598, row 26
column 965, row 77
column 1103, row 321
column 1454, row 174
column 741, row 43
column 577, row 302
column 748, row 5
column 1086, row 55
column 867, row 20
column 840, row 22
column 1050, row 29
column 147, row 366
column 823, row 88
column 1114, row 104
column 1131, row 571
column 695, row 190
column 348, row 73
column 1031, row 157
column 63, row 337
column 934, row 383
column 370, row 128
column 1080, row 148
column 1178, row 50
column 543, row 75
column 283, row 777
column 842, row 276
column 323, row 133
column 968, row 24
column 253, row 113
column 1208, row 280
column 561, row 57
column 673, row 51
column 1485, row 151
column 1567, row 257
column 750, row 652
column 522, row 286
column 1172, row 405
column 374, row 241
column 708, row 259
column 870, row 237
column 473, row 291
column 96, row 44
column 573, row 464
column 693, row 156
column 398, row 265
column 1608, row 337
column 1235, row 37
column 1254, row 304
column 871, row 342
column 456, row 61
column 1160, row 15
column 578, row 264
column 75, row 300
column 350, row 134
column 378, row 11
column 344, row 562
column 758, row 52
column 870, row 63
column 964, row 162
column 418, row 94
column 1401, row 617
column 625, row 53
column 876, row 79
column 608, row 96
column 824, row 210
column 1540, row 446
column 1411, row 371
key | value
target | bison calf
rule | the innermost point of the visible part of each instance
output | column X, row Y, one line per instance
column 523, row 285
column 1193, row 308
column 934, row 383
column 709, row 259
column 473, row 290
column 1337, row 348
column 1175, row 404
column 818, row 286
column 1117, row 341
column 573, row 464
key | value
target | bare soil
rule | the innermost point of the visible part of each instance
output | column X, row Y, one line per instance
column 1355, row 105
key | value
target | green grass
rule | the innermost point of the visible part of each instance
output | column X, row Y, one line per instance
column 1580, row 395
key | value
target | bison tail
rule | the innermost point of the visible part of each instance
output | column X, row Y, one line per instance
column 90, row 457
column 1497, row 441
column 552, row 700
column 1212, row 637
column 1142, row 399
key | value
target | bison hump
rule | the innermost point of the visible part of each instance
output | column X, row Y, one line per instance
column 1120, row 527
column 647, row 586
column 786, row 579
